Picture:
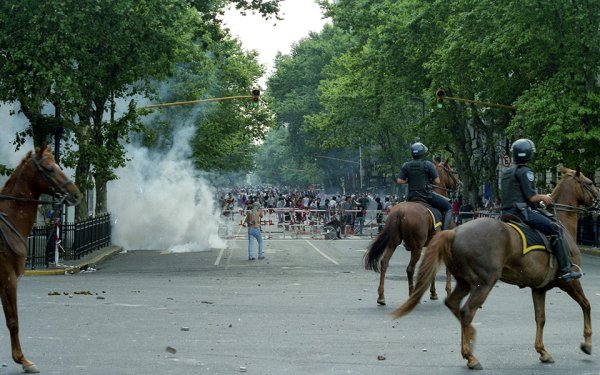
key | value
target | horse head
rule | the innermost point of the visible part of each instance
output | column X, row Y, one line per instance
column 53, row 181
column 449, row 181
column 575, row 189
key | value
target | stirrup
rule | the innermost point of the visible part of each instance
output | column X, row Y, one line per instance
column 571, row 275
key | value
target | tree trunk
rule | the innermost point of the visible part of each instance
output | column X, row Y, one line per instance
column 81, row 173
column 101, row 196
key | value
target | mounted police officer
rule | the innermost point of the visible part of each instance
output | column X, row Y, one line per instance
column 518, row 196
column 420, row 174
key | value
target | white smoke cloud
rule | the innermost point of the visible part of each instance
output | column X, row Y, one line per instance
column 159, row 202
column 9, row 126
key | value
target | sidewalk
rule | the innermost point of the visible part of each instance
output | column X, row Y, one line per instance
column 590, row 250
column 75, row 266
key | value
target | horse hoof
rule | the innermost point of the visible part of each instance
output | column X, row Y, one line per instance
column 433, row 297
column 381, row 301
column 475, row 366
column 547, row 359
column 31, row 369
column 587, row 349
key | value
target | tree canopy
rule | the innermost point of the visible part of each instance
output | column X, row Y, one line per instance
column 378, row 90
column 68, row 64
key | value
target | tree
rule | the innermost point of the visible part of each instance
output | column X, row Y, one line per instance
column 80, row 57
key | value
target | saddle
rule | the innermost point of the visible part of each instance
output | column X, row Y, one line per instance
column 10, row 238
column 532, row 238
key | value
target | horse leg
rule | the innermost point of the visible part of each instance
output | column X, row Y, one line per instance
column 415, row 255
column 539, row 306
column 9, row 302
column 385, row 262
column 477, row 296
column 575, row 290
column 461, row 290
column 448, row 282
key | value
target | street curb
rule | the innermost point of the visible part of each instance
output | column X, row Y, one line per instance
column 594, row 252
column 92, row 260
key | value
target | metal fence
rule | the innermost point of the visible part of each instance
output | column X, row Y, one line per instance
column 588, row 229
column 75, row 240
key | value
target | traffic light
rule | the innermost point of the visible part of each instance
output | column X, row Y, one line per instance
column 439, row 97
column 255, row 95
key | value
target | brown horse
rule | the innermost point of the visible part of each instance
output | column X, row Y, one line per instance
column 412, row 223
column 483, row 251
column 37, row 174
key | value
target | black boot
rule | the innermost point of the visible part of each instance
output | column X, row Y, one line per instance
column 564, row 263
column 448, row 220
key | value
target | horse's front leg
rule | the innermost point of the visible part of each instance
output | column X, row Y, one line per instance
column 539, row 305
column 575, row 290
column 385, row 262
column 9, row 302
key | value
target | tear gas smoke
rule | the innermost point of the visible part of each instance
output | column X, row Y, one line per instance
column 160, row 202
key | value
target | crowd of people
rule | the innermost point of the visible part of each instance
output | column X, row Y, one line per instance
column 350, row 213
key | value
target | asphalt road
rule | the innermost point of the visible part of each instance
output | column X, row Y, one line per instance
column 309, row 308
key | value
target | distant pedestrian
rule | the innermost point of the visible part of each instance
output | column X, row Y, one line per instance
column 253, row 216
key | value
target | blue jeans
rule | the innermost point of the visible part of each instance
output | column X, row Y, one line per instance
column 254, row 232
column 360, row 222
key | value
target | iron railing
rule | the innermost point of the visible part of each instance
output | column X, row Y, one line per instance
column 76, row 240
column 588, row 229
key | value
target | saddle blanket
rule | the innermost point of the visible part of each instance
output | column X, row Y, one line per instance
column 532, row 239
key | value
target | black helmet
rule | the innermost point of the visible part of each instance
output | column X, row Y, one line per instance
column 418, row 149
column 522, row 150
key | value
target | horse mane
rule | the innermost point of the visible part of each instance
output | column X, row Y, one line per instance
column 12, row 179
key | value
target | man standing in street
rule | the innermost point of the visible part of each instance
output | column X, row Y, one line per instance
column 253, row 216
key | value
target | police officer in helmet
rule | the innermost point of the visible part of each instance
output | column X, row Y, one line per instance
column 518, row 196
column 419, row 174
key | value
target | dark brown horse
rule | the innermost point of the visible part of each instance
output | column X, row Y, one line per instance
column 37, row 174
column 483, row 251
column 412, row 223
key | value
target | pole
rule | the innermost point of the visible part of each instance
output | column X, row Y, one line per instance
column 58, row 132
column 196, row 101
column 360, row 167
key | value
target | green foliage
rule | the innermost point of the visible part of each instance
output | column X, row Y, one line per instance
column 540, row 56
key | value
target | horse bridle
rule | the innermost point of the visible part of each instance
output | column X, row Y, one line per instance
column 451, row 175
column 587, row 187
column 59, row 191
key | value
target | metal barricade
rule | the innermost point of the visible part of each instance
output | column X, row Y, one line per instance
column 295, row 223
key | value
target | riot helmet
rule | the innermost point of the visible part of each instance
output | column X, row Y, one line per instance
column 522, row 150
column 418, row 150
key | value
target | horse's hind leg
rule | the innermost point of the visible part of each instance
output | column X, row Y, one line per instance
column 415, row 255
column 575, row 290
column 385, row 262
column 539, row 306
column 477, row 296
column 448, row 282
column 8, row 294
column 453, row 303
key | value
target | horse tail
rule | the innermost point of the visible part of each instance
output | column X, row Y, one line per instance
column 375, row 251
column 438, row 248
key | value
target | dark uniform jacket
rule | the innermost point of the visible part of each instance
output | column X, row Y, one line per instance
column 419, row 174
column 517, row 186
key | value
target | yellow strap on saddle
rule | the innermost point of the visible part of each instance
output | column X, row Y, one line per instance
column 526, row 248
column 435, row 224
